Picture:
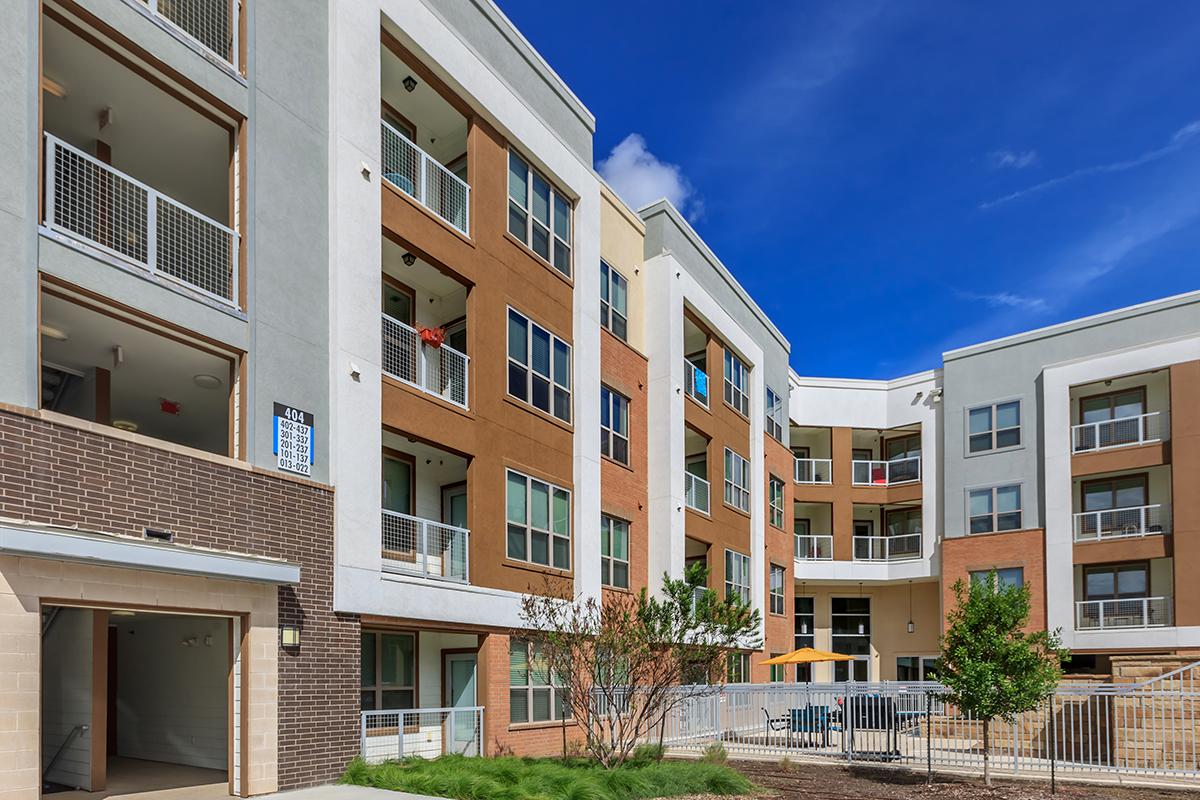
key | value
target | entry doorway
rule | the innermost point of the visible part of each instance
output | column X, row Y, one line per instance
column 460, row 671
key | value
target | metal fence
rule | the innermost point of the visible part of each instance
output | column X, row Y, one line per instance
column 421, row 732
column 814, row 546
column 695, row 491
column 416, row 173
column 424, row 547
column 212, row 23
column 813, row 470
column 89, row 200
column 887, row 548
column 1122, row 523
column 886, row 473
column 1127, row 612
column 441, row 371
column 1084, row 729
column 1122, row 432
column 695, row 383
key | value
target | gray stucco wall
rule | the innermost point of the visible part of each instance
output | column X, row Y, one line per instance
column 1012, row 371
column 666, row 230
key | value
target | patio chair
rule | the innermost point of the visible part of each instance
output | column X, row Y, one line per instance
column 811, row 720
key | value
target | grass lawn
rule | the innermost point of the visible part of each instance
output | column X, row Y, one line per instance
column 547, row 778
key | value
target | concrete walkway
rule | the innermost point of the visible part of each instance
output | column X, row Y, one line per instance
column 346, row 793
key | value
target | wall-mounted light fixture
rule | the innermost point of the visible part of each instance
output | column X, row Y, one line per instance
column 410, row 83
column 409, row 259
column 289, row 635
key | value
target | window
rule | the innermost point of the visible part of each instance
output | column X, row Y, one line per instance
column 534, row 695
column 614, row 298
column 1111, row 493
column 851, row 629
column 737, row 383
column 614, row 425
column 538, row 214
column 805, row 622
column 388, row 670
column 778, row 578
column 614, row 552
column 777, row 670
column 995, row 509
column 1116, row 582
column 738, row 667
column 737, row 576
column 774, row 415
column 539, row 366
column 1115, row 405
column 539, row 521
column 737, row 481
column 775, row 487
column 994, row 427
column 1005, row 577
column 916, row 668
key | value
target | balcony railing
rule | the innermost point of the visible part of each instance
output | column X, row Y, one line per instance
column 695, row 491
column 423, row 547
column 1133, row 612
column 414, row 172
column 213, row 24
column 439, row 371
column 1122, row 432
column 393, row 735
column 813, row 470
column 695, row 383
column 887, row 473
column 1122, row 523
column 887, row 548
column 814, row 546
column 88, row 200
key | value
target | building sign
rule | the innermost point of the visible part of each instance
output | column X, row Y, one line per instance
column 293, row 439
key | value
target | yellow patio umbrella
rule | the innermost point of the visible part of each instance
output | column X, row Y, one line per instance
column 808, row 655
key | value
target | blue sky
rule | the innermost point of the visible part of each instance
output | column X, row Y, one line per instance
column 892, row 180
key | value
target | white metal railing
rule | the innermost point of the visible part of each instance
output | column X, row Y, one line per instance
column 420, row 732
column 1121, row 432
column 814, row 546
column 887, row 473
column 695, row 491
column 887, row 548
column 87, row 199
column 440, row 371
column 1122, row 523
column 813, row 470
column 695, row 383
column 424, row 547
column 416, row 173
column 211, row 23
column 1131, row 612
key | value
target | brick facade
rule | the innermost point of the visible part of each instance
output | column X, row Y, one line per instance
column 1026, row 549
column 74, row 473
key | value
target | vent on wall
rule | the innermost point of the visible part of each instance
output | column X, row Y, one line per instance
column 162, row 536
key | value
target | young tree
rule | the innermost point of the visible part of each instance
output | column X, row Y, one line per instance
column 620, row 662
column 990, row 666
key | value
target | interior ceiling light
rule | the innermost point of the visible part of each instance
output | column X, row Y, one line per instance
column 410, row 83
column 54, row 333
column 206, row 381
column 125, row 425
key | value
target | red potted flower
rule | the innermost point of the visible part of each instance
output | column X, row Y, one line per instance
column 432, row 336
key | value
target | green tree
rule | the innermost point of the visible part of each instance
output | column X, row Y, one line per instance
column 991, row 667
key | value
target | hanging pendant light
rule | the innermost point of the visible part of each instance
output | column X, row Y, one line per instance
column 911, row 627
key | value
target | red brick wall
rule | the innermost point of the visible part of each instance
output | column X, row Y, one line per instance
column 1025, row 549
column 500, row 737
column 623, row 488
column 58, row 474
column 780, row 550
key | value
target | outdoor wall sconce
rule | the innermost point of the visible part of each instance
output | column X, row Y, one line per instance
column 289, row 635
column 409, row 259
column 410, row 83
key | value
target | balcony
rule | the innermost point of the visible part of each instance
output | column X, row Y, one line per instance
column 419, row 175
column 439, row 370
column 1123, row 614
column 814, row 547
column 904, row 547
column 887, row 473
column 212, row 24
column 1122, row 523
column 696, row 492
column 424, row 547
column 695, row 383
column 1127, row 431
column 813, row 470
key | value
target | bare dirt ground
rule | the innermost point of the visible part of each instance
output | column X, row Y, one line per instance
column 826, row 782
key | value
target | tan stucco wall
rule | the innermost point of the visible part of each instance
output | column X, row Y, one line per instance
column 622, row 243
column 26, row 582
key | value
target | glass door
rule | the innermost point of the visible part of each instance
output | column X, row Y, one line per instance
column 463, row 735
column 454, row 546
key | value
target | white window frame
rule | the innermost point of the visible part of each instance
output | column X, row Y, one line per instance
column 609, row 434
column 524, row 208
column 778, row 577
column 774, row 421
column 994, row 514
column 775, row 501
column 737, row 383
column 993, row 431
column 737, row 494
column 610, row 277
column 609, row 525
column 553, row 685
column 737, row 575
column 556, row 383
column 527, row 524
column 980, row 574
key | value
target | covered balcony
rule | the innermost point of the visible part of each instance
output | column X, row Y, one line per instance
column 696, row 485
column 135, row 173
column 813, row 526
column 423, row 133
column 1124, row 596
column 696, row 384
column 424, row 331
column 813, row 450
column 886, row 458
column 423, row 522
column 887, row 533
column 1121, row 412
column 1122, row 505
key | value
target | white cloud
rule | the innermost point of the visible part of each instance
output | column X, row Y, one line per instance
column 1178, row 141
column 639, row 177
column 1008, row 300
column 1013, row 159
